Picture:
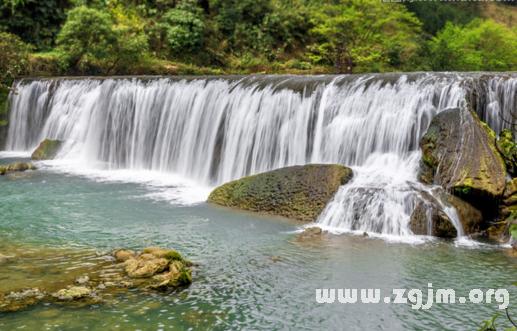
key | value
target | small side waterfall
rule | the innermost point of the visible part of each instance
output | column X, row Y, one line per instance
column 215, row 129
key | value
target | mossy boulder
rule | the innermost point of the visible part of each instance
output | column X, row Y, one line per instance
column 18, row 300
column 159, row 268
column 47, row 150
column 298, row 192
column 459, row 153
column 508, row 150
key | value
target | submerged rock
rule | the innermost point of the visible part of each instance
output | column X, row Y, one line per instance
column 5, row 258
column 298, row 192
column 73, row 293
column 152, row 269
column 82, row 280
column 22, row 299
column 47, row 150
column 310, row 233
column 16, row 167
column 459, row 153
column 122, row 255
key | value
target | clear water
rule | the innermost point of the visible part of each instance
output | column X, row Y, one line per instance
column 254, row 274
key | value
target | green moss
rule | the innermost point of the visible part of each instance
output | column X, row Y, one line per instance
column 173, row 255
column 462, row 190
column 299, row 192
column 184, row 278
column 513, row 230
column 47, row 150
column 490, row 132
column 459, row 152
column 508, row 150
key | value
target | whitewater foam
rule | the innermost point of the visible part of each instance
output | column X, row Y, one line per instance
column 182, row 136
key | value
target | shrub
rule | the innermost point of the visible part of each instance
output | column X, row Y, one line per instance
column 184, row 28
column 480, row 45
column 363, row 35
column 97, row 42
column 52, row 63
column 14, row 58
column 87, row 36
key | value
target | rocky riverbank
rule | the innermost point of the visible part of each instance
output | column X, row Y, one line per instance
column 153, row 269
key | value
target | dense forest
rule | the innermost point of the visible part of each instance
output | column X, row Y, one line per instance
column 109, row 37
column 168, row 37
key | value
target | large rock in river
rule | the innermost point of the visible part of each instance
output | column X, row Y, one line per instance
column 47, row 150
column 298, row 192
column 459, row 153
column 429, row 216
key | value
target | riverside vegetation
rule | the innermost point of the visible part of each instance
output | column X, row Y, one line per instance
column 130, row 37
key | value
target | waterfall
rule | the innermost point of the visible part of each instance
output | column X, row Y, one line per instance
column 214, row 129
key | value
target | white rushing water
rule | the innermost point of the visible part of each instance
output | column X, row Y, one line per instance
column 206, row 131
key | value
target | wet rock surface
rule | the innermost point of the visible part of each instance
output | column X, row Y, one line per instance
column 459, row 153
column 16, row 167
column 430, row 218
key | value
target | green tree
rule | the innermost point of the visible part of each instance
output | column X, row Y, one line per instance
column 14, row 58
column 87, row 36
column 364, row 35
column 102, row 42
column 434, row 14
column 480, row 45
column 14, row 61
column 35, row 21
column 184, row 28
column 131, row 44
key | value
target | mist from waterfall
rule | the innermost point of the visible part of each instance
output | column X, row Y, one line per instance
column 212, row 130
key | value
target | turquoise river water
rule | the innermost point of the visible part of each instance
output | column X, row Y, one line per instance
column 253, row 272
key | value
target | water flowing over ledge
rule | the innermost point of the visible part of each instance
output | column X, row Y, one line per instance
column 214, row 129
